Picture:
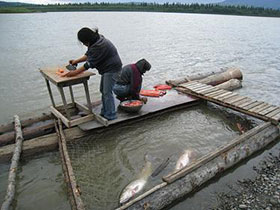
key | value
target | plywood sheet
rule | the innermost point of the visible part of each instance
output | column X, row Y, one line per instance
column 170, row 100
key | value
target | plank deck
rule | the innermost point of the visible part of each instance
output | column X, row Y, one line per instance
column 172, row 100
column 243, row 104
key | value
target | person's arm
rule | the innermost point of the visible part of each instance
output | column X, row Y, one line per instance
column 79, row 60
column 75, row 72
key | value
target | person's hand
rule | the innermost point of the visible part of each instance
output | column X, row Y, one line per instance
column 72, row 62
column 144, row 99
column 70, row 74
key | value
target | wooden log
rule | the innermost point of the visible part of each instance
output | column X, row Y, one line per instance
column 231, row 84
column 192, row 177
column 41, row 144
column 217, row 79
column 64, row 168
column 24, row 123
column 14, row 166
column 189, row 78
column 28, row 133
column 69, row 170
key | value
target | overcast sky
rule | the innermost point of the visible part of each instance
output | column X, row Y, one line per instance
column 82, row 1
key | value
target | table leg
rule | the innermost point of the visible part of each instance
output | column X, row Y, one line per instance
column 50, row 92
column 87, row 96
column 72, row 95
column 64, row 102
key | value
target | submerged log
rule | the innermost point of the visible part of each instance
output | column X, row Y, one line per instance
column 28, row 133
column 189, row 179
column 24, row 123
column 14, row 166
column 199, row 76
column 41, row 144
column 33, row 127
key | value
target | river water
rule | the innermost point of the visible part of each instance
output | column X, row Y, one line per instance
column 176, row 45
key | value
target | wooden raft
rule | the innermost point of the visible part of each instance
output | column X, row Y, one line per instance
column 243, row 104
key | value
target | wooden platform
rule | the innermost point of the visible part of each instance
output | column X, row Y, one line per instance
column 172, row 100
column 243, row 104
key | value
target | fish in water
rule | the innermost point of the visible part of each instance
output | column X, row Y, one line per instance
column 161, row 167
column 137, row 185
column 184, row 159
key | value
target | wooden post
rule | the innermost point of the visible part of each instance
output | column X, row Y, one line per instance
column 50, row 92
column 72, row 95
column 14, row 166
column 87, row 96
column 64, row 102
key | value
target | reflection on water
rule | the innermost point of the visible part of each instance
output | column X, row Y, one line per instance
column 176, row 45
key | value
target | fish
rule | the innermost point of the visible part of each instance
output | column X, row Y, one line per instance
column 161, row 167
column 184, row 159
column 137, row 185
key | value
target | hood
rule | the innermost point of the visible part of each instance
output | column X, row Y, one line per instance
column 143, row 65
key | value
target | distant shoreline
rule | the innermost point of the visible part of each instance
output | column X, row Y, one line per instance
column 143, row 7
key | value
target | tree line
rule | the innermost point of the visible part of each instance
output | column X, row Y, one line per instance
column 144, row 7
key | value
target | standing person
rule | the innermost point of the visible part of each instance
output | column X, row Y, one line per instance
column 129, row 83
column 103, row 56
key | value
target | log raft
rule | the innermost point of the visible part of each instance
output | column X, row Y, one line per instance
column 46, row 141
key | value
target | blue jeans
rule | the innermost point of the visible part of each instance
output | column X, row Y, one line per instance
column 108, row 103
column 122, row 91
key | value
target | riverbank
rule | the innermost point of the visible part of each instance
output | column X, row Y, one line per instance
column 143, row 7
column 261, row 192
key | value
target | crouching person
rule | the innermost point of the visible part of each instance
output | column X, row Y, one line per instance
column 129, row 83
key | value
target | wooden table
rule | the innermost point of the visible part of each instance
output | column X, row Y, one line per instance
column 61, row 82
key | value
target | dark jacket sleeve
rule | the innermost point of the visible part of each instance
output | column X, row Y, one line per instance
column 96, row 56
column 136, row 82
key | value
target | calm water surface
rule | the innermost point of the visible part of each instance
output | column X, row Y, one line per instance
column 176, row 45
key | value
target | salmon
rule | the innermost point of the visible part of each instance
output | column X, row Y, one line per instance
column 184, row 159
column 137, row 185
column 152, row 93
column 162, row 87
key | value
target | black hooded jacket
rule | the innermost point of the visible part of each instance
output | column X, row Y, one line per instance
column 132, row 75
